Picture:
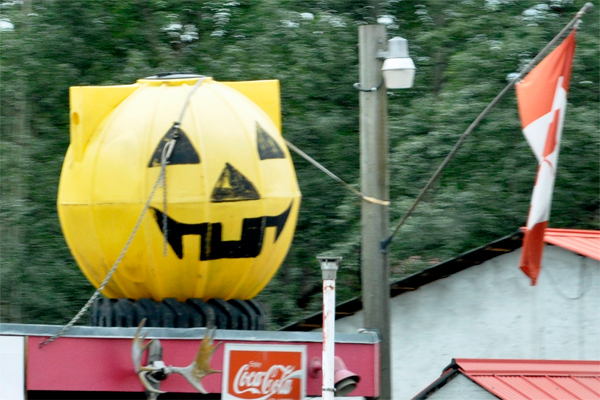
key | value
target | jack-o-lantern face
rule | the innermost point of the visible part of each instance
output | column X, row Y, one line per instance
column 232, row 195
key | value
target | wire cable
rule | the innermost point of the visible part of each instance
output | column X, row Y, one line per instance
column 358, row 87
column 582, row 287
column 335, row 177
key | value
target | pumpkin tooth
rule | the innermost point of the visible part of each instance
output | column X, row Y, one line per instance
column 249, row 245
column 279, row 221
column 176, row 230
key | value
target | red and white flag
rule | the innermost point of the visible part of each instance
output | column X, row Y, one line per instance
column 542, row 98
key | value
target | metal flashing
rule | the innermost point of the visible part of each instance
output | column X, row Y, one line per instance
column 583, row 242
column 413, row 282
column 178, row 333
column 449, row 373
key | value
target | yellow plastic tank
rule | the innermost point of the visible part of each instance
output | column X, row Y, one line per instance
column 232, row 193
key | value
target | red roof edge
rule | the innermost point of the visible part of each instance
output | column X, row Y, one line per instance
column 573, row 232
column 535, row 379
column 528, row 367
column 521, row 379
column 581, row 241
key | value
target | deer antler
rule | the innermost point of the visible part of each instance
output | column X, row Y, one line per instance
column 193, row 373
column 137, row 350
column 200, row 367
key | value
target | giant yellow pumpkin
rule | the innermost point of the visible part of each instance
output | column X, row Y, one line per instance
column 232, row 194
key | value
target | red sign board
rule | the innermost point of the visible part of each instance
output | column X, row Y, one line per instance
column 103, row 364
column 261, row 372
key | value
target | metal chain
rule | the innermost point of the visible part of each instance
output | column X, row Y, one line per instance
column 166, row 155
column 112, row 270
column 162, row 177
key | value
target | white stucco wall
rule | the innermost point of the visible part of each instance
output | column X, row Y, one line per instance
column 491, row 311
column 460, row 388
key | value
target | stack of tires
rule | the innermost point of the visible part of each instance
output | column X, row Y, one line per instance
column 170, row 313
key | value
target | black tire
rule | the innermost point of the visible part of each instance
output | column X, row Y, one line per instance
column 246, row 310
column 146, row 308
column 123, row 313
column 231, row 317
column 204, row 310
column 170, row 313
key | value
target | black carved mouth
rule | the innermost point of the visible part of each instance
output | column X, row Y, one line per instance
column 212, row 247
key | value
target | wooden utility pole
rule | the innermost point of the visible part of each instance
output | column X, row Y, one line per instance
column 374, row 182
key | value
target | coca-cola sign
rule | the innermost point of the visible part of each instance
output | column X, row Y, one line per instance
column 261, row 372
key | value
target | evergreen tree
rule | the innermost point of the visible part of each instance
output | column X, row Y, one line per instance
column 465, row 52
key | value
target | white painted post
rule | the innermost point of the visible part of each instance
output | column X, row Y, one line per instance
column 329, row 267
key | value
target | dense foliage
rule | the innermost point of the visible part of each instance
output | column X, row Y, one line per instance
column 465, row 52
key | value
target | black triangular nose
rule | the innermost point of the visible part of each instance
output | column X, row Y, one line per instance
column 233, row 186
column 184, row 152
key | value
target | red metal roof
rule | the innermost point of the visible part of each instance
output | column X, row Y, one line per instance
column 535, row 379
column 584, row 242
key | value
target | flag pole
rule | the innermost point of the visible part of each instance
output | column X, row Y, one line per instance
column 385, row 243
column 544, row 51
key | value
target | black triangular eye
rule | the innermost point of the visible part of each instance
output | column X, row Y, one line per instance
column 267, row 146
column 184, row 152
column 233, row 186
